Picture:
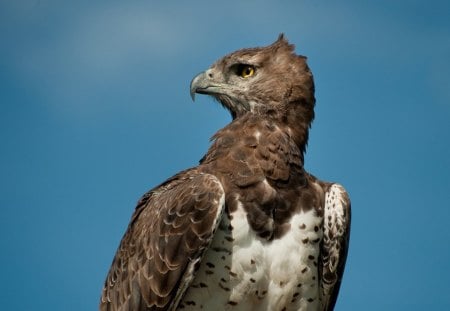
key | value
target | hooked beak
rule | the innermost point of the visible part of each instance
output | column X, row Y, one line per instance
column 203, row 84
column 206, row 83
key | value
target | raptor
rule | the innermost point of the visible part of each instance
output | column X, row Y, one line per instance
column 248, row 228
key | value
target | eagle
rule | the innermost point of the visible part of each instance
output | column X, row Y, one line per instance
column 248, row 228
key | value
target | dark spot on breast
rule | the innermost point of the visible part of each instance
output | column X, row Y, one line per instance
column 305, row 269
column 302, row 226
column 220, row 250
column 284, row 309
column 316, row 228
column 311, row 257
column 209, row 272
column 232, row 303
column 252, row 261
column 190, row 303
column 305, row 241
column 210, row 265
column 252, row 280
column 223, row 280
column 203, row 285
column 310, row 299
column 227, row 289
column 299, row 285
column 229, row 239
column 233, row 274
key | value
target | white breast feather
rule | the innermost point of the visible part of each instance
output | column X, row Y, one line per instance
column 260, row 274
column 279, row 265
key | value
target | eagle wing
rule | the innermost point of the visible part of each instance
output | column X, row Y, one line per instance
column 335, row 243
column 170, row 229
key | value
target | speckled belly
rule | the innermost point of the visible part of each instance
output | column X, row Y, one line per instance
column 241, row 271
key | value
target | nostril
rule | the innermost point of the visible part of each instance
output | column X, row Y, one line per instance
column 210, row 75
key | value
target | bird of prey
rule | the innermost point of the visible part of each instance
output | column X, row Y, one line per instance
column 248, row 228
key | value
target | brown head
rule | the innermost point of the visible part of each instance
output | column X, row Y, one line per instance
column 269, row 80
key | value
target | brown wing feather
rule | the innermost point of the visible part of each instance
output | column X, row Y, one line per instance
column 172, row 226
column 336, row 236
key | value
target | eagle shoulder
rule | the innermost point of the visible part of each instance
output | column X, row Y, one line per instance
column 336, row 234
column 172, row 226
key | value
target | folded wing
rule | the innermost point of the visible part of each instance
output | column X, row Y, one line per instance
column 171, row 228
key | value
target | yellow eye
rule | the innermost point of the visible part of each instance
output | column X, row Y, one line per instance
column 246, row 71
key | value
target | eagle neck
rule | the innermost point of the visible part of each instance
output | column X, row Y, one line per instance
column 298, row 120
column 295, row 119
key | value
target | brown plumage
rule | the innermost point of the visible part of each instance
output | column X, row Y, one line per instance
column 248, row 228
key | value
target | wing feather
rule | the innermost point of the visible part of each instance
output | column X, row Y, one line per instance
column 336, row 235
column 169, row 231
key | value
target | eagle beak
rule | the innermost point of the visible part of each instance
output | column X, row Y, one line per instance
column 210, row 82
column 204, row 84
column 195, row 83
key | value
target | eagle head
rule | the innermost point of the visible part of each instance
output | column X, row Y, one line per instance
column 268, row 80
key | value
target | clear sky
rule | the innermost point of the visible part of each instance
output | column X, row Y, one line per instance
column 95, row 110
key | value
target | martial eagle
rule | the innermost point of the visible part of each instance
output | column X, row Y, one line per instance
column 248, row 228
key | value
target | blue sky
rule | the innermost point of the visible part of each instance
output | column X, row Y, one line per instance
column 95, row 110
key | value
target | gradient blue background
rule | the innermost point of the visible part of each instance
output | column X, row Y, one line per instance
column 95, row 110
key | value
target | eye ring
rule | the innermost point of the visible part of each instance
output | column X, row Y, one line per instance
column 245, row 71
